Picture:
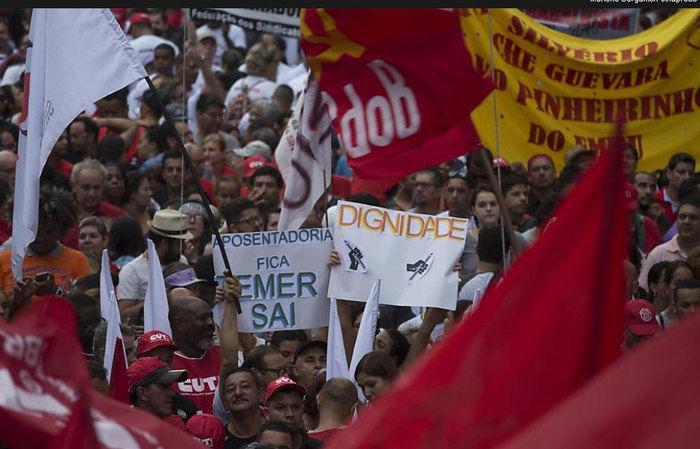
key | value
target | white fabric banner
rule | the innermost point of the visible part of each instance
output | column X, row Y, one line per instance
column 76, row 57
column 155, row 306
column 413, row 254
column 109, row 311
column 308, row 173
column 280, row 21
column 368, row 328
column 284, row 277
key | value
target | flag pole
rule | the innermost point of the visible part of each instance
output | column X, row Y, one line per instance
column 195, row 176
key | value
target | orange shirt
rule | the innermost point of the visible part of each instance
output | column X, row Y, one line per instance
column 67, row 266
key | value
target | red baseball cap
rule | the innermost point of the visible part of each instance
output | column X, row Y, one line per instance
column 281, row 383
column 208, row 430
column 152, row 370
column 252, row 163
column 139, row 17
column 630, row 196
column 640, row 318
column 153, row 339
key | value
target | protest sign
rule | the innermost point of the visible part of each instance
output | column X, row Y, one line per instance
column 554, row 91
column 609, row 23
column 280, row 21
column 413, row 255
column 284, row 277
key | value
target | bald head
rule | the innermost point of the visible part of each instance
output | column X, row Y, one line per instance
column 178, row 293
column 338, row 397
column 184, row 304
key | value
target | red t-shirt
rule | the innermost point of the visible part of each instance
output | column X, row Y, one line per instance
column 202, row 378
column 325, row 435
column 208, row 188
column 652, row 236
column 65, row 168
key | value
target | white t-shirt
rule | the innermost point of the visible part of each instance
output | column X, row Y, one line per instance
column 145, row 45
column 474, row 289
column 133, row 278
column 258, row 87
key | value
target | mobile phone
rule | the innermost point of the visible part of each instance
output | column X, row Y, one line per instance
column 44, row 277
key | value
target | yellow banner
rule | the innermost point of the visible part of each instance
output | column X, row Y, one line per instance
column 555, row 91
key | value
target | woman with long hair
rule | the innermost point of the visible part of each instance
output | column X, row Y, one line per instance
column 138, row 198
column 374, row 374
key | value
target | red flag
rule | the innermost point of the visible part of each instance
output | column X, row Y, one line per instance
column 43, row 374
column 119, row 381
column 400, row 96
column 648, row 399
column 79, row 432
column 553, row 322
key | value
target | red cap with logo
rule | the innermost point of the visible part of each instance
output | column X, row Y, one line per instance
column 252, row 163
column 640, row 318
column 153, row 339
column 208, row 430
column 630, row 196
column 152, row 370
column 281, row 383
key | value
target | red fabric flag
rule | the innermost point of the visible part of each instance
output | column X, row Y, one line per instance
column 553, row 322
column 79, row 432
column 648, row 399
column 400, row 96
column 119, row 380
column 43, row 374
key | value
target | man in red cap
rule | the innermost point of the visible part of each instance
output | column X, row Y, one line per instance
column 150, row 381
column 159, row 344
column 640, row 322
column 285, row 399
column 208, row 430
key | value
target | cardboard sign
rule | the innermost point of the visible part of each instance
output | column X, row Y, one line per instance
column 284, row 276
column 413, row 254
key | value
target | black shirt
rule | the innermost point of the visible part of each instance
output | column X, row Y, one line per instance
column 233, row 442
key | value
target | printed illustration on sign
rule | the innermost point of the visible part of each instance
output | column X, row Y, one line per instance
column 416, row 270
column 355, row 258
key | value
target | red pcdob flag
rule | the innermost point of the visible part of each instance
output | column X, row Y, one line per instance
column 398, row 83
column 552, row 324
column 649, row 399
column 44, row 379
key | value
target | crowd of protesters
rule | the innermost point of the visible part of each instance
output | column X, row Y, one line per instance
column 116, row 176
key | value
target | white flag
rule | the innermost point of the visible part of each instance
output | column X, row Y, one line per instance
column 155, row 306
column 368, row 327
column 307, row 173
column 76, row 57
column 109, row 310
column 337, row 364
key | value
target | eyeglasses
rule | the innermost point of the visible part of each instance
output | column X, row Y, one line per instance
column 251, row 221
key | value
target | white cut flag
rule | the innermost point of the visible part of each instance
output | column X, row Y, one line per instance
column 75, row 57
column 155, row 306
column 109, row 311
column 307, row 173
column 337, row 364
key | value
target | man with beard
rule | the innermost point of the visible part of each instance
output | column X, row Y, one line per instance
column 192, row 325
column 426, row 196
column 645, row 184
column 166, row 230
